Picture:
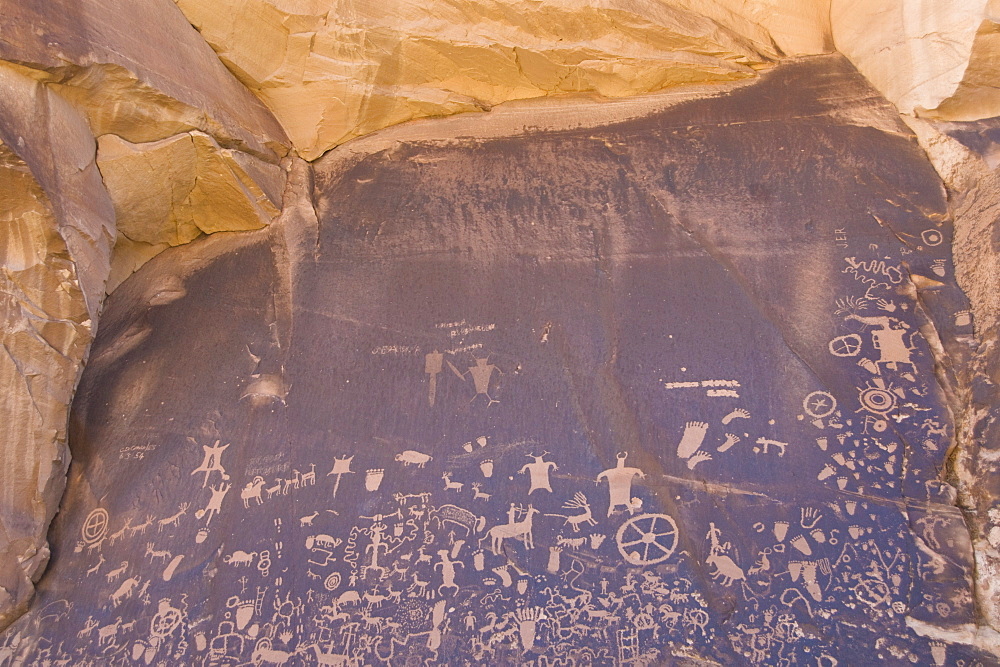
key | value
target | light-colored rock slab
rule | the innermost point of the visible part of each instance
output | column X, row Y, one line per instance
column 935, row 59
column 136, row 69
column 171, row 191
column 334, row 71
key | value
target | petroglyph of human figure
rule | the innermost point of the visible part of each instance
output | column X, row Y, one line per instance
column 726, row 568
column 432, row 366
column 481, row 374
column 539, row 470
column 212, row 462
column 519, row 530
column 215, row 502
column 341, row 467
column 251, row 491
column 373, row 549
column 447, row 567
column 620, row 484
column 889, row 341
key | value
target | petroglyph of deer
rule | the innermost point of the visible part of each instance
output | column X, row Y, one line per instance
column 152, row 554
column 114, row 537
column 448, row 484
column 141, row 528
column 578, row 502
column 97, row 566
column 174, row 519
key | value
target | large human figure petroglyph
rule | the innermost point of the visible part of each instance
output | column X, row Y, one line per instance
column 619, row 481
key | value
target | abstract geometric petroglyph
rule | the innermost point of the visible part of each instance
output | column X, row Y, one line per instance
column 653, row 392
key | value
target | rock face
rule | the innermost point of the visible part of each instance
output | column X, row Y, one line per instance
column 963, row 154
column 674, row 389
column 493, row 314
column 57, row 236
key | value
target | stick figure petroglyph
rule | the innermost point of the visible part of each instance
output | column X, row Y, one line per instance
column 726, row 568
column 88, row 627
column 620, row 484
column 214, row 505
column 212, row 462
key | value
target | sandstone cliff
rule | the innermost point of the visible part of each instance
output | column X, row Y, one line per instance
column 130, row 128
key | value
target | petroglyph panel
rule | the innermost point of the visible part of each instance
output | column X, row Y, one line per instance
column 660, row 392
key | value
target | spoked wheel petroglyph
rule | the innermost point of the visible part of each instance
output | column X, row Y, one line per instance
column 647, row 539
column 96, row 526
column 846, row 346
